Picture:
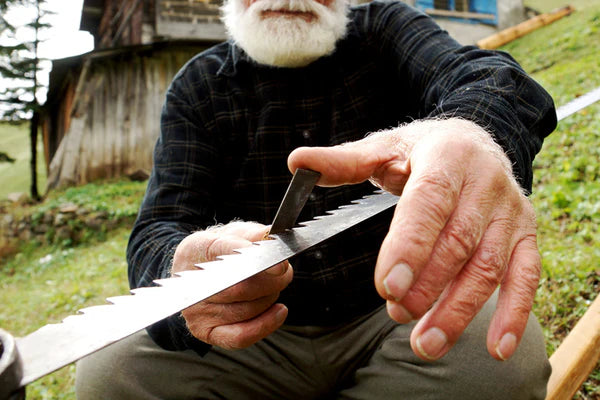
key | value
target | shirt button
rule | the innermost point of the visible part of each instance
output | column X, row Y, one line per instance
column 318, row 255
column 306, row 134
column 312, row 197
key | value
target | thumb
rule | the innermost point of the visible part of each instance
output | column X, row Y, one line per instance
column 370, row 158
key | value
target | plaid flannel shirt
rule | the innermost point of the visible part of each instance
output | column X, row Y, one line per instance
column 228, row 125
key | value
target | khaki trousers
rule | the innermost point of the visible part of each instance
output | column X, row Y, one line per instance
column 369, row 358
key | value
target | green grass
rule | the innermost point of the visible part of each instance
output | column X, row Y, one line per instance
column 564, row 58
column 45, row 283
column 16, row 177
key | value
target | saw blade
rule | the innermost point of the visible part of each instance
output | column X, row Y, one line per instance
column 56, row 345
column 578, row 104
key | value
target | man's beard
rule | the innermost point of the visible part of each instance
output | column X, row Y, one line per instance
column 285, row 41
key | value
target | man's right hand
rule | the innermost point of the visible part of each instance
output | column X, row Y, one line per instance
column 245, row 313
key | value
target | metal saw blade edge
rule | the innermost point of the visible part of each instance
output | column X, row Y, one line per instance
column 54, row 346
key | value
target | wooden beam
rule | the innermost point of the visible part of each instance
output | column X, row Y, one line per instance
column 522, row 29
column 81, row 81
column 576, row 357
column 458, row 14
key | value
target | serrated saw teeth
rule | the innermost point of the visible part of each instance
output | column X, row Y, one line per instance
column 100, row 326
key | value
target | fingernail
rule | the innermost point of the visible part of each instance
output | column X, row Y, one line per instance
column 281, row 314
column 506, row 346
column 398, row 281
column 398, row 313
column 431, row 343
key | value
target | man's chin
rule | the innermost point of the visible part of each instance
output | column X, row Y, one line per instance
column 285, row 38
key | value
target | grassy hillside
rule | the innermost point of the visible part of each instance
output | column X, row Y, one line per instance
column 45, row 283
column 564, row 58
column 16, row 177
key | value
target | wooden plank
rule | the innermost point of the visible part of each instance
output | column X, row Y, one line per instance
column 508, row 35
column 71, row 155
column 459, row 14
column 81, row 81
column 576, row 357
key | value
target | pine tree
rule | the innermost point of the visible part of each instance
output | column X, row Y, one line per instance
column 20, row 64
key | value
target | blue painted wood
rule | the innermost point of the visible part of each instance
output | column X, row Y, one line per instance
column 479, row 6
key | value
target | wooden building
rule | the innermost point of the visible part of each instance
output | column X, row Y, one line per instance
column 101, row 118
column 500, row 13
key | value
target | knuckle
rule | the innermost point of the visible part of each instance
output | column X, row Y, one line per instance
column 462, row 310
column 199, row 330
column 213, row 248
column 437, row 193
column 237, row 292
column 488, row 266
column 529, row 273
column 460, row 239
column 460, row 307
column 189, row 250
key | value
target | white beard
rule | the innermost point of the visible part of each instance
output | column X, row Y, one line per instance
column 285, row 41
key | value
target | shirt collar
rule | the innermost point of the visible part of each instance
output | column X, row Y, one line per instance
column 233, row 60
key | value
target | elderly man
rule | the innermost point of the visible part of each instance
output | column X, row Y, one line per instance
column 432, row 302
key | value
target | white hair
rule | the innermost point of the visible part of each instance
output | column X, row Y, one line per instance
column 285, row 41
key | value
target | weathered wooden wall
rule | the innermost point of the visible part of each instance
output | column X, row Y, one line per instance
column 189, row 19
column 121, row 22
column 109, row 120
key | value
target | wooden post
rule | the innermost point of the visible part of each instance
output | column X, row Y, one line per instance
column 522, row 29
column 576, row 357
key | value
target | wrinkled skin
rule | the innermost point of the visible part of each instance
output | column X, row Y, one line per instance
column 245, row 313
column 461, row 228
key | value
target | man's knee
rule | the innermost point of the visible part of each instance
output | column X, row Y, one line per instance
column 119, row 371
column 523, row 376
column 468, row 371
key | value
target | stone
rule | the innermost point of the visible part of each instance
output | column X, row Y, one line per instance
column 64, row 232
column 18, row 197
column 68, row 208
column 60, row 219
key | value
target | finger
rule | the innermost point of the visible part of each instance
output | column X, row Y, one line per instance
column 252, row 231
column 204, row 316
column 244, row 334
column 459, row 240
column 454, row 247
column 221, row 244
column 441, row 327
column 253, row 288
column 517, row 293
column 279, row 269
column 429, row 199
column 349, row 163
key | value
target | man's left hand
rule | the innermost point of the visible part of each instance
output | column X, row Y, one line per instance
column 461, row 228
